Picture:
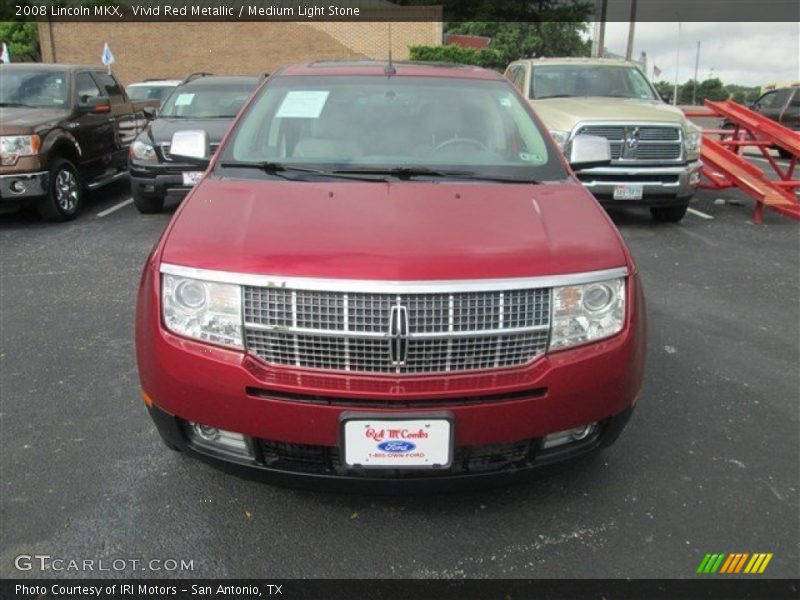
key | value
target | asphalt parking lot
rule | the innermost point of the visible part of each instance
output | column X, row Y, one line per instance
column 709, row 462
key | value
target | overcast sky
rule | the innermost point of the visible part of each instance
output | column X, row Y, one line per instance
column 744, row 53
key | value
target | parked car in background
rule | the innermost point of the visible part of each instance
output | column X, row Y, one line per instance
column 64, row 129
column 152, row 89
column 202, row 102
column 781, row 105
column 655, row 149
column 389, row 276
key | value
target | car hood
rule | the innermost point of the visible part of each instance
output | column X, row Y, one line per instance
column 392, row 231
column 21, row 119
column 161, row 130
column 566, row 113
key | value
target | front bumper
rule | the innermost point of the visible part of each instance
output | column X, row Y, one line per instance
column 158, row 179
column 23, row 186
column 317, row 466
column 660, row 184
column 283, row 407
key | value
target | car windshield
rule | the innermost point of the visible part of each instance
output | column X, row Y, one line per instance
column 206, row 101
column 558, row 81
column 33, row 87
column 408, row 126
column 149, row 92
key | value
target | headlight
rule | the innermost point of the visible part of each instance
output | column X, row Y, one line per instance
column 692, row 142
column 561, row 137
column 588, row 312
column 14, row 146
column 203, row 310
column 142, row 151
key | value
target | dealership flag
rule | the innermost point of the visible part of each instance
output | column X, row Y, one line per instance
column 4, row 57
column 108, row 58
column 656, row 71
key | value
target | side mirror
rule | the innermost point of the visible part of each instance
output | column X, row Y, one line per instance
column 191, row 146
column 587, row 151
column 150, row 112
column 96, row 104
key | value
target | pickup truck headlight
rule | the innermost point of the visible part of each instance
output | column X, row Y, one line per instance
column 142, row 151
column 204, row 310
column 586, row 313
column 560, row 137
column 692, row 142
column 14, row 146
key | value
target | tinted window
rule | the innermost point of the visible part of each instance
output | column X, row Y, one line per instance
column 145, row 92
column 350, row 122
column 767, row 100
column 85, row 87
column 33, row 87
column 207, row 101
column 109, row 86
column 590, row 80
column 795, row 99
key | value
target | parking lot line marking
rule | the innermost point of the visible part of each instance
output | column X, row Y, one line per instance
column 122, row 204
column 697, row 213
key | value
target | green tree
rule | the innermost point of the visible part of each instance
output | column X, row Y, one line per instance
column 519, row 40
column 710, row 89
column 19, row 34
column 456, row 54
column 665, row 90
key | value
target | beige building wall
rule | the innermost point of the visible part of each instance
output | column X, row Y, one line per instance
column 173, row 50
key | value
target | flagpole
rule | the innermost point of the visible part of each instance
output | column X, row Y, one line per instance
column 677, row 66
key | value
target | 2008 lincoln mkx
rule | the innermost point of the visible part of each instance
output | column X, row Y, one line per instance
column 389, row 278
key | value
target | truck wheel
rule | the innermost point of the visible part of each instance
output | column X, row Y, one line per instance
column 65, row 192
column 785, row 154
column 148, row 205
column 669, row 214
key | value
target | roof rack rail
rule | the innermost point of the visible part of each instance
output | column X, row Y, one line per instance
column 197, row 75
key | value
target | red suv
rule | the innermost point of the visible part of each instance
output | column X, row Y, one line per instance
column 389, row 275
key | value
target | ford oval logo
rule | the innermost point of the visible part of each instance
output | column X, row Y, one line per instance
column 396, row 446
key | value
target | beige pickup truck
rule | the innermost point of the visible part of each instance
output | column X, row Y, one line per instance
column 654, row 149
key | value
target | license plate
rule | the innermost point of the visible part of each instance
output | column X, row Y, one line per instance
column 628, row 192
column 192, row 177
column 397, row 443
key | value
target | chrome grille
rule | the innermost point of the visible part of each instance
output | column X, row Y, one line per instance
column 353, row 331
column 655, row 143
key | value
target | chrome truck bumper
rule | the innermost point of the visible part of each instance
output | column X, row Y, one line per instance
column 678, row 181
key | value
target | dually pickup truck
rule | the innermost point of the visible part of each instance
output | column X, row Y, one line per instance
column 64, row 129
column 655, row 149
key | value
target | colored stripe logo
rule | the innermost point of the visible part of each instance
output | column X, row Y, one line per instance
column 737, row 562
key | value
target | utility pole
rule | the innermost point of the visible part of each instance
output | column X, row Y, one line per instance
column 696, row 67
column 631, row 31
column 601, row 41
column 677, row 67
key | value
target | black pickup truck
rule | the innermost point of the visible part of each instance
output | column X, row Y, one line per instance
column 64, row 129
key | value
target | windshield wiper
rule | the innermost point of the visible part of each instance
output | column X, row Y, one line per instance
column 553, row 96
column 421, row 171
column 280, row 170
column 17, row 104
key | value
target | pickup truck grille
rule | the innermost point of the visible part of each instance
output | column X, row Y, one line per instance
column 389, row 333
column 640, row 142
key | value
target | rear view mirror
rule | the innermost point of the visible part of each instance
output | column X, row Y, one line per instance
column 191, row 146
column 149, row 112
column 586, row 151
column 95, row 104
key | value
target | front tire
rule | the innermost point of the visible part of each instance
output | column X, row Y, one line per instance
column 65, row 193
column 669, row 214
column 147, row 205
column 785, row 154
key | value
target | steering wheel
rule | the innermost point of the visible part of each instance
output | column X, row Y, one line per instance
column 461, row 140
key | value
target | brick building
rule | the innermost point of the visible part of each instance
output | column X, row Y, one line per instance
column 173, row 50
